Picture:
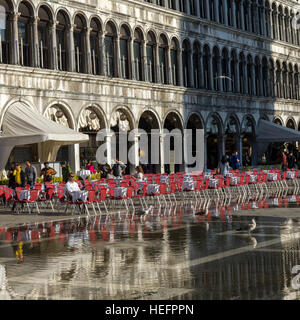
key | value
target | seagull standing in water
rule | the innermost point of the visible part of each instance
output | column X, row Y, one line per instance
column 248, row 227
column 144, row 212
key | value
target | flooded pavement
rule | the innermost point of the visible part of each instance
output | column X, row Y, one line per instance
column 172, row 254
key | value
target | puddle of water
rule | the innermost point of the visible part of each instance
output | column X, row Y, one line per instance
column 172, row 254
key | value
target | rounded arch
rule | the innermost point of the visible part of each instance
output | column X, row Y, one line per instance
column 29, row 4
column 66, row 110
column 9, row 5
column 124, row 26
column 48, row 7
column 214, row 116
column 278, row 120
column 291, row 123
column 125, row 110
column 151, row 36
column 111, row 27
column 177, row 114
column 66, row 14
column 230, row 117
column 150, row 111
column 97, row 20
column 82, row 16
column 97, row 109
column 139, row 31
column 193, row 116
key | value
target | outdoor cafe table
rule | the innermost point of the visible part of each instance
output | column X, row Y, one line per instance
column 290, row 175
column 84, row 173
column 153, row 188
column 80, row 195
column 188, row 185
column 213, row 183
column 272, row 176
column 120, row 192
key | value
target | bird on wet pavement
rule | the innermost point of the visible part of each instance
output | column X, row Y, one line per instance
column 144, row 212
column 248, row 227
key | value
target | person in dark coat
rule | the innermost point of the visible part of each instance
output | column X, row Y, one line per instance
column 11, row 182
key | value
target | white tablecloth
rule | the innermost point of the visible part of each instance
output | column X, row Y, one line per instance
column 164, row 179
column 80, row 195
column 153, row 188
column 290, row 175
column 120, row 192
column 234, row 180
column 272, row 176
column 24, row 195
column 188, row 185
column 84, row 173
column 253, row 178
column 213, row 183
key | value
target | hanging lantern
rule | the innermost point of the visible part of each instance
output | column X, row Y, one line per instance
column 93, row 115
column 59, row 114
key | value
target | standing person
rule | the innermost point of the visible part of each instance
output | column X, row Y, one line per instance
column 11, row 182
column 291, row 160
column 66, row 170
column 90, row 167
column 47, row 172
column 30, row 173
column 118, row 168
column 19, row 176
column 284, row 163
column 235, row 161
column 224, row 166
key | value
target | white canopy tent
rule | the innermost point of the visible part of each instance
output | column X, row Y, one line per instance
column 22, row 125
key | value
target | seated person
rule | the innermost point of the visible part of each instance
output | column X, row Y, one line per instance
column 139, row 175
column 110, row 175
column 71, row 186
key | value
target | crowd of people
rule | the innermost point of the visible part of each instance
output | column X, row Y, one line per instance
column 17, row 177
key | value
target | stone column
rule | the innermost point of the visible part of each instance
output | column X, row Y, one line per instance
column 211, row 73
column 253, row 79
column 287, row 32
column 169, row 69
column 263, row 10
column 177, row 5
column 144, row 61
column 233, row 14
column 260, row 80
column 188, row 6
column 225, row 4
column 237, row 76
column 239, row 147
column 102, row 57
column 255, row 27
column 191, row 78
column 88, row 56
column 180, row 75
column 131, row 57
column 71, row 50
column 201, row 85
column 197, row 8
column 35, row 47
column 157, row 69
column 229, row 75
column 246, row 76
column 249, row 16
column 220, row 80
column 221, row 146
column 162, row 155
column 15, row 45
column 242, row 15
column 53, row 45
column 216, row 2
column 117, row 56
column 207, row 6
column 74, row 156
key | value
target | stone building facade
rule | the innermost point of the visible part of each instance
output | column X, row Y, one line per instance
column 216, row 65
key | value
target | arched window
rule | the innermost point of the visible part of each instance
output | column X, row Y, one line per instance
column 260, row 19
column 25, row 34
column 233, row 71
column 95, row 36
column 257, row 76
column 174, row 62
column 61, row 39
column 79, row 43
column 163, row 60
column 110, row 50
column 271, row 78
column 216, row 75
column 286, row 19
column 196, row 65
column 242, row 73
column 150, row 48
column 265, row 77
column 125, row 52
column 185, row 63
column 6, row 27
column 278, row 80
column 137, row 54
column 44, row 37
column 206, row 68
column 225, row 70
column 249, row 74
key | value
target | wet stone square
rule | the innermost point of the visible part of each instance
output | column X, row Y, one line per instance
column 171, row 254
